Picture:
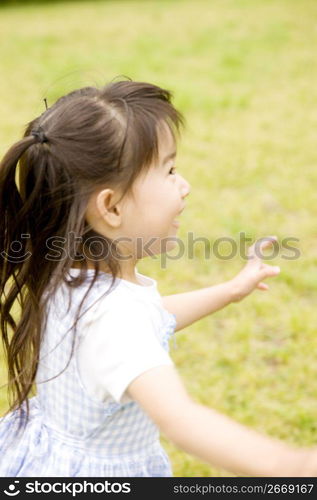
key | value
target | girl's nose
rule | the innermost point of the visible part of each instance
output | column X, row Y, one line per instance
column 185, row 190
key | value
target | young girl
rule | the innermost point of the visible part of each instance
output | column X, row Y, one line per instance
column 97, row 191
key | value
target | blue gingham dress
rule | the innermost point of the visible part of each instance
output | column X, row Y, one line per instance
column 70, row 434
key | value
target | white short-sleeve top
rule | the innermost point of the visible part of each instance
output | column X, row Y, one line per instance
column 122, row 339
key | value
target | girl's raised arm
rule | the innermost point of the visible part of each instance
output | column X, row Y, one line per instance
column 213, row 437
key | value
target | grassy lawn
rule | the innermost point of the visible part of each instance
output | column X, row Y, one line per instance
column 244, row 74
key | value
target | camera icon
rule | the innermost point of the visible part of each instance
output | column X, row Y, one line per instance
column 13, row 492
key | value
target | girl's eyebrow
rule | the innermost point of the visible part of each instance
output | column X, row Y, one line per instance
column 168, row 157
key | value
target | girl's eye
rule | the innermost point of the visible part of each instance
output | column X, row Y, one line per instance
column 172, row 171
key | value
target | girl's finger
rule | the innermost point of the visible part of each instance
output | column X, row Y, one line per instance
column 251, row 251
column 268, row 271
column 262, row 244
column 257, row 248
column 266, row 242
column 262, row 286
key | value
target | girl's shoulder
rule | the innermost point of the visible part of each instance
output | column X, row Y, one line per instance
column 124, row 298
column 123, row 304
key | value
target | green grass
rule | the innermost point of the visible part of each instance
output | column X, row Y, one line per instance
column 244, row 74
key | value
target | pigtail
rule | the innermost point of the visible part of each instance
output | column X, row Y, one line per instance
column 13, row 251
column 10, row 208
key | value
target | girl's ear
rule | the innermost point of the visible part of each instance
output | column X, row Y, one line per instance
column 104, row 209
column 107, row 208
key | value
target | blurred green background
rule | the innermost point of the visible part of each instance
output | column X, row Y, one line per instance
column 244, row 74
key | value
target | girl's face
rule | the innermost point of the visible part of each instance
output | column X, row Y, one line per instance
column 150, row 214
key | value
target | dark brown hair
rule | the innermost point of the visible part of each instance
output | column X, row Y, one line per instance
column 90, row 138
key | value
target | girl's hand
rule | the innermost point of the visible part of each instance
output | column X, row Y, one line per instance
column 255, row 271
